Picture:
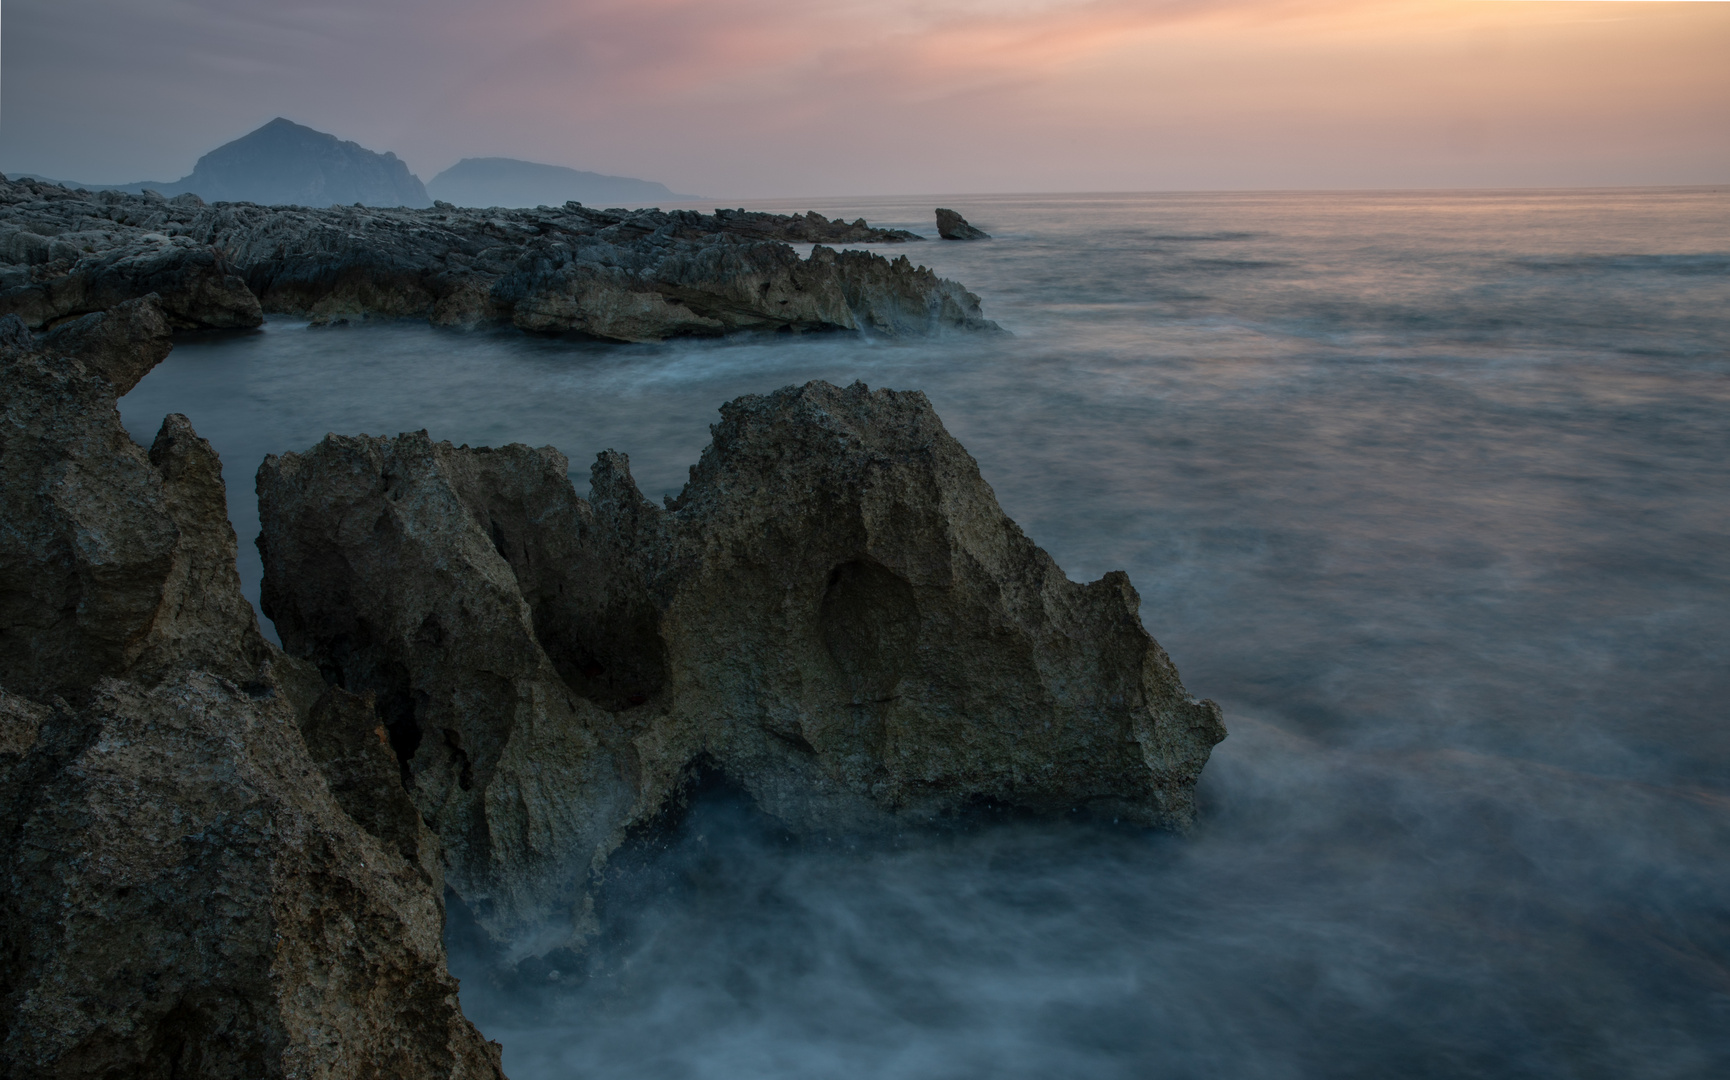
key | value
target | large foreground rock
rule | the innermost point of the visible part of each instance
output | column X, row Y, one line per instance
column 835, row 613
column 620, row 275
column 204, row 873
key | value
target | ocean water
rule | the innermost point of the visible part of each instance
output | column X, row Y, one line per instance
column 1431, row 491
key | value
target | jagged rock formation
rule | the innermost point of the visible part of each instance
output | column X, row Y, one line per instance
column 509, row 182
column 611, row 274
column 952, row 226
column 203, row 874
column 835, row 613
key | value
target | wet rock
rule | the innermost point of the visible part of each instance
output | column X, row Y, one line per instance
column 952, row 226
column 624, row 275
column 188, row 890
column 834, row 613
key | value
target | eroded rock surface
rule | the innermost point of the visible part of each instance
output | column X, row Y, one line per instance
column 835, row 613
column 623, row 275
column 188, row 889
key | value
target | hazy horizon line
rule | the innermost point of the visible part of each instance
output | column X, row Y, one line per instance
column 1055, row 193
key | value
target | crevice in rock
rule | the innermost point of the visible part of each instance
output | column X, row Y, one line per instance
column 396, row 709
column 601, row 636
column 465, row 768
column 617, row 662
column 869, row 624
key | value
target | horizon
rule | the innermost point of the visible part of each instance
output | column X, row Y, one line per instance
column 843, row 196
column 764, row 99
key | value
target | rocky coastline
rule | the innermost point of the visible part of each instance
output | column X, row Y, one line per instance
column 228, row 859
column 615, row 275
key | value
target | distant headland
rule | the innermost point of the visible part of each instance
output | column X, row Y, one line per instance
column 288, row 164
column 522, row 184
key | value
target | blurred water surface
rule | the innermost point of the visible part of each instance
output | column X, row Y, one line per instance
column 1430, row 490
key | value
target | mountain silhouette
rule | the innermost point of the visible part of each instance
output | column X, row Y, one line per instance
column 288, row 164
column 284, row 163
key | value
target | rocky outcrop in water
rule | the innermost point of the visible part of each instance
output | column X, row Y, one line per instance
column 834, row 613
column 612, row 274
column 952, row 226
column 208, row 870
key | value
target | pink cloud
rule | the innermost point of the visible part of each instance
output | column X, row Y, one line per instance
column 743, row 96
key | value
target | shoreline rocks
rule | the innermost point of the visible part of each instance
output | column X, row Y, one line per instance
column 834, row 614
column 193, row 886
column 222, row 858
column 617, row 275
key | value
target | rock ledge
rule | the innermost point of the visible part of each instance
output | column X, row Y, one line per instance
column 619, row 275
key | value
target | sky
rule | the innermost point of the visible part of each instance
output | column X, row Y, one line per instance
column 774, row 98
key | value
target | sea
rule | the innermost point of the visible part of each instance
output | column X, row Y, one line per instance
column 1429, row 490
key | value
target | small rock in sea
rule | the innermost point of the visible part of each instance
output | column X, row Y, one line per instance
column 952, row 226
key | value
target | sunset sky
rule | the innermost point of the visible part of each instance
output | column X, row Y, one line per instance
column 742, row 98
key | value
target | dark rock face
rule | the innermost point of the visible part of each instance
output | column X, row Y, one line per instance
column 189, row 889
column 288, row 164
column 612, row 274
column 509, row 182
column 100, row 256
column 120, row 345
column 835, row 613
column 952, row 226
